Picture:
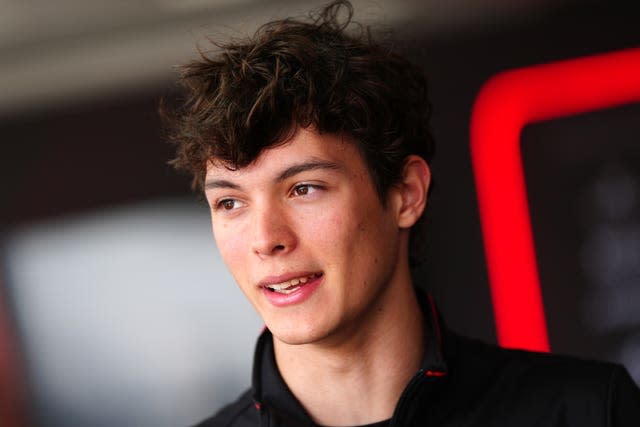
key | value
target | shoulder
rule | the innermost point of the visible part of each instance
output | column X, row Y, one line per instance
column 543, row 386
column 524, row 365
column 240, row 413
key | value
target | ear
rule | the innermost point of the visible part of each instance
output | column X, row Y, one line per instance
column 411, row 193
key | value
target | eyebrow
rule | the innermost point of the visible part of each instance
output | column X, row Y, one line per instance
column 306, row 166
column 287, row 173
column 220, row 183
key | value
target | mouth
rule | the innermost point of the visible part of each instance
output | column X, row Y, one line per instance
column 290, row 286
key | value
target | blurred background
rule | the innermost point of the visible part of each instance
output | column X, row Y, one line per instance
column 115, row 308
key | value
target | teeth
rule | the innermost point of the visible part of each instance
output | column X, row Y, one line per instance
column 290, row 285
column 286, row 291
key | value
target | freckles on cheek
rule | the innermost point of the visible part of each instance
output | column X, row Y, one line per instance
column 337, row 223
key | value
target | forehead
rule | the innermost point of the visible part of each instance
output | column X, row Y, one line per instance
column 305, row 146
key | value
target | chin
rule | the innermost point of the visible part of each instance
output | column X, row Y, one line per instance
column 297, row 333
column 291, row 339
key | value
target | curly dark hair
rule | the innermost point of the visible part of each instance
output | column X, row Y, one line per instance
column 253, row 94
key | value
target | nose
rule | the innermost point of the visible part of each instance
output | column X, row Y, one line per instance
column 272, row 232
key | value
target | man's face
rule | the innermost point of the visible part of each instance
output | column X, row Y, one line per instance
column 306, row 237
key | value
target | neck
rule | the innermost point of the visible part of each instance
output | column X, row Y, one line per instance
column 357, row 378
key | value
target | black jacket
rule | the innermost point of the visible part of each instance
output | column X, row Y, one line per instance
column 463, row 382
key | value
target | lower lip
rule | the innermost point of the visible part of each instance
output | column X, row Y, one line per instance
column 296, row 297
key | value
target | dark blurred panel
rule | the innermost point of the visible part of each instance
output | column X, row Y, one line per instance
column 85, row 156
column 457, row 67
column 583, row 176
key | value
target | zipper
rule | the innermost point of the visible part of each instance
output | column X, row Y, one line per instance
column 264, row 418
column 407, row 395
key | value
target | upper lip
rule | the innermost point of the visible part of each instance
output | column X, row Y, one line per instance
column 272, row 280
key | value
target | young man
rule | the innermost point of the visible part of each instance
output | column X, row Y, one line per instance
column 312, row 148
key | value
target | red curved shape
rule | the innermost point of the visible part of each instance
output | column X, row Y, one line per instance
column 506, row 103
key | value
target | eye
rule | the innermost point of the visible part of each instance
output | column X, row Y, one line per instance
column 303, row 189
column 228, row 204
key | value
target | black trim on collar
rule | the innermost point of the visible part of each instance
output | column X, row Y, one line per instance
column 270, row 392
column 433, row 362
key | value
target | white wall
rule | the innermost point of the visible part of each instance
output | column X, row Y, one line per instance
column 129, row 317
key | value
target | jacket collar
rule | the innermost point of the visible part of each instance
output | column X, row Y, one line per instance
column 271, row 394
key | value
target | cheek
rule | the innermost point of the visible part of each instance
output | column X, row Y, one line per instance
column 229, row 244
column 341, row 232
column 332, row 223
